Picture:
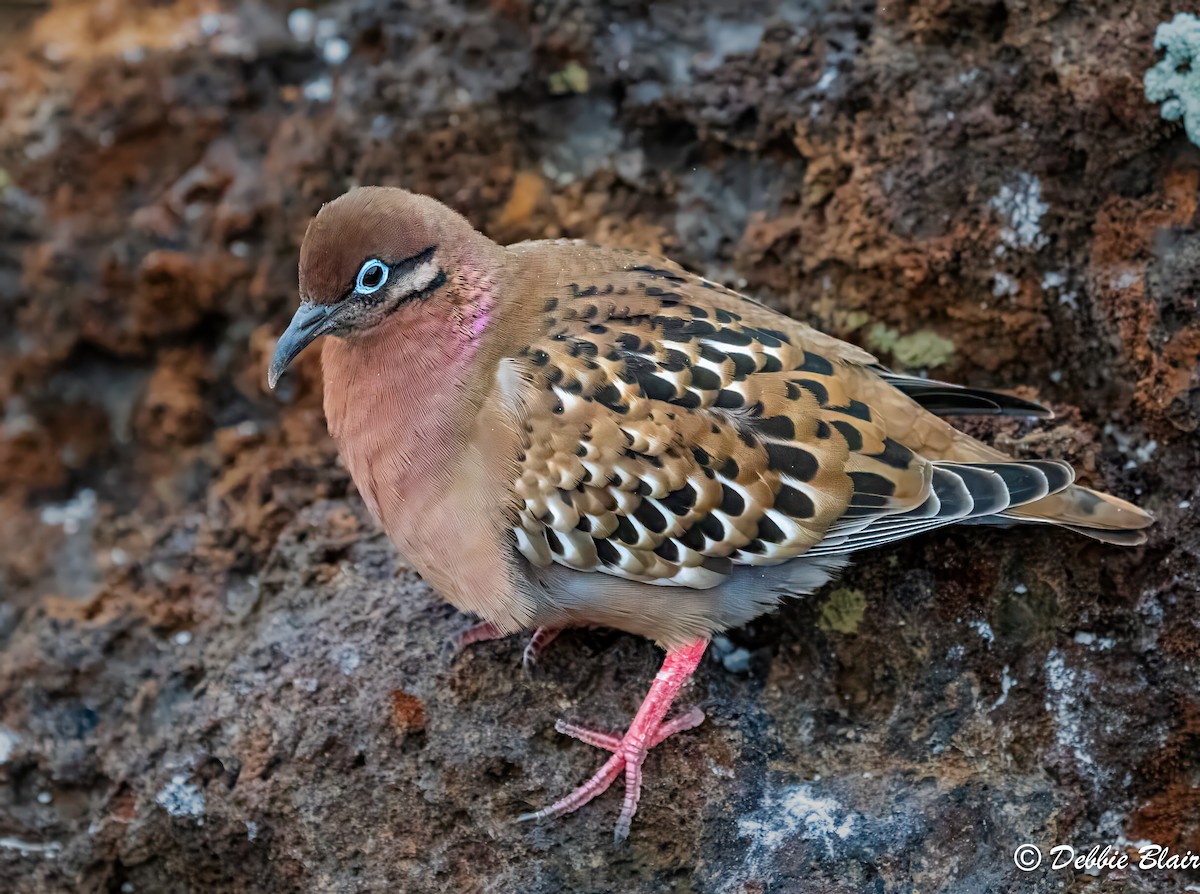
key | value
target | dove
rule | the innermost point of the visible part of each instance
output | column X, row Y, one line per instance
column 559, row 434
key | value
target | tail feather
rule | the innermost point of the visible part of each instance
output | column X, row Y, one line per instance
column 1032, row 480
column 959, row 492
column 987, row 492
column 1086, row 511
column 1036, row 491
column 1117, row 538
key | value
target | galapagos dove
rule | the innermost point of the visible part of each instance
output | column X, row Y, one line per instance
column 559, row 434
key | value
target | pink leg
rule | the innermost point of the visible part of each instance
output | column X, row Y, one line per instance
column 629, row 751
column 485, row 631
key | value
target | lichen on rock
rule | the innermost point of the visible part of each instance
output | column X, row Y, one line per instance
column 1175, row 80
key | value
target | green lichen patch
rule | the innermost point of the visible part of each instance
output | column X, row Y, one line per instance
column 572, row 79
column 924, row 348
column 843, row 611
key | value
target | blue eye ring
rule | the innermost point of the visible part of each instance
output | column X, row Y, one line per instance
column 371, row 277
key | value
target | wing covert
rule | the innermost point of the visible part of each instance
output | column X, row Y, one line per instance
column 671, row 433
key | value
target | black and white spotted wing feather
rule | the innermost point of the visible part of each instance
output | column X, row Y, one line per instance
column 677, row 430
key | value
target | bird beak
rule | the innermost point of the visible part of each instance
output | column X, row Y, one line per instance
column 309, row 322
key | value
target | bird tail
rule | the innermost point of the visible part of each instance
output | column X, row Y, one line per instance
column 1002, row 492
column 1044, row 492
column 1061, row 502
column 1083, row 510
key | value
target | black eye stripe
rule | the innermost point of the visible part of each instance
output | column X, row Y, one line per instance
column 409, row 264
column 399, row 267
column 416, row 260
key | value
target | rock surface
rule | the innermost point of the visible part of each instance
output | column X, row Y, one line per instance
column 214, row 674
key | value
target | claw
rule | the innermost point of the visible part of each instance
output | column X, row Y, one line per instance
column 629, row 751
column 485, row 631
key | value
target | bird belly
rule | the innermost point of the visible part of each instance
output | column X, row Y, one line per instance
column 443, row 526
column 673, row 616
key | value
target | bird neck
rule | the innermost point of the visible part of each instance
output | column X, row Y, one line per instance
column 400, row 401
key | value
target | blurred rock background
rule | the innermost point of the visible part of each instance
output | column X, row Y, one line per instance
column 215, row 675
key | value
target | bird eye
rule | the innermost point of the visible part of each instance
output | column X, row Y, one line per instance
column 371, row 277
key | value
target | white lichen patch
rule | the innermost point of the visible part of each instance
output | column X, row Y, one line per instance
column 8, row 743
column 797, row 811
column 1092, row 641
column 335, row 51
column 72, row 515
column 1123, row 278
column 984, row 629
column 179, row 797
column 729, row 37
column 31, row 848
column 319, row 90
column 719, row 771
column 1057, row 282
column 1066, row 697
column 1175, row 80
column 1020, row 207
column 1138, row 453
column 1004, row 285
column 347, row 659
column 302, row 23
column 1006, row 683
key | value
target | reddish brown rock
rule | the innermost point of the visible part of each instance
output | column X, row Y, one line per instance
column 201, row 636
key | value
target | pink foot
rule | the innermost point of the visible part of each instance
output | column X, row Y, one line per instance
column 485, row 631
column 609, row 742
column 541, row 638
column 629, row 751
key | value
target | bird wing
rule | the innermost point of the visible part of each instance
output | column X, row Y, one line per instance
column 946, row 399
column 674, row 429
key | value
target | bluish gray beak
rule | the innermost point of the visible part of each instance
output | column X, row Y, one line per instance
column 309, row 322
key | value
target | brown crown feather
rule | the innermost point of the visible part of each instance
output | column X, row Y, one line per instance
column 379, row 222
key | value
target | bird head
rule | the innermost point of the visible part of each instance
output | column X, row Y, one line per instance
column 369, row 254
